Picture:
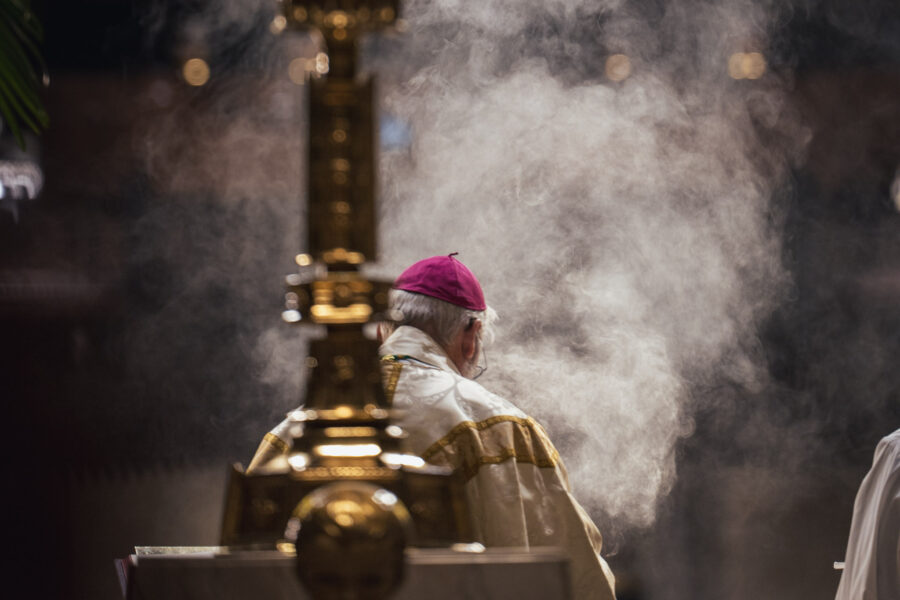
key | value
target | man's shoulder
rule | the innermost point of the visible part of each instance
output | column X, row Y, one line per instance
column 477, row 395
column 892, row 439
column 426, row 383
column 887, row 453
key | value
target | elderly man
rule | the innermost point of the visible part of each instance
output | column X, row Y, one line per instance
column 516, row 484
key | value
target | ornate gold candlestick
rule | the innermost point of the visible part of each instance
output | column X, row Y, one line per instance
column 343, row 432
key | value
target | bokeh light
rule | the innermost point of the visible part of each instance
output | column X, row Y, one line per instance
column 618, row 67
column 278, row 24
column 746, row 65
column 321, row 63
column 195, row 72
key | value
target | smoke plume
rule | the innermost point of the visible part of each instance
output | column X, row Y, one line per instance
column 621, row 219
column 625, row 231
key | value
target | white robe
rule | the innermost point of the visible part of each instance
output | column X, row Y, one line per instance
column 872, row 562
column 517, row 486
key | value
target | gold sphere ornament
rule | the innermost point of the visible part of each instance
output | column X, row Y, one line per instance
column 350, row 538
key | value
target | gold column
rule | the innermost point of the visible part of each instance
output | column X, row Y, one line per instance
column 343, row 432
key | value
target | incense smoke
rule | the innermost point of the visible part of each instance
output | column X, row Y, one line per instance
column 625, row 230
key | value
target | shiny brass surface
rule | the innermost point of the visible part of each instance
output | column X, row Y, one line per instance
column 341, row 21
column 346, row 375
column 338, row 298
column 341, row 181
column 349, row 539
column 258, row 506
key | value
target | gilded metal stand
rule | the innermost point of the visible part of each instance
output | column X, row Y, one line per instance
column 343, row 433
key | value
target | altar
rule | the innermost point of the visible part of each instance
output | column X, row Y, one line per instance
column 436, row 574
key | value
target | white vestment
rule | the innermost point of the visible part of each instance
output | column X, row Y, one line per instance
column 872, row 562
column 517, row 486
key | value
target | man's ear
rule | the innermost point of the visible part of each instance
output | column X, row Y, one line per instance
column 470, row 340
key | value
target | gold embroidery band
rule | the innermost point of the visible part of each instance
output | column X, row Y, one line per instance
column 277, row 442
column 270, row 447
column 391, row 385
column 470, row 445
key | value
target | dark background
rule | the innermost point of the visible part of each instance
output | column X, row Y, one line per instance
column 106, row 449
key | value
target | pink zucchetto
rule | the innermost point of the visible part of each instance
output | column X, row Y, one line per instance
column 444, row 278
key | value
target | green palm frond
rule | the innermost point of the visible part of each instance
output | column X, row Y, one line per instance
column 21, row 69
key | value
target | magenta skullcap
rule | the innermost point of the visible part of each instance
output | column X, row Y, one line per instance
column 444, row 278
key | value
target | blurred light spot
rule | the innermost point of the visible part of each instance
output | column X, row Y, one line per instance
column 303, row 260
column 386, row 14
column 746, row 65
column 291, row 316
column 754, row 65
column 321, row 63
column 278, row 24
column 299, row 461
column 340, row 34
column 343, row 411
column 350, row 432
column 472, row 547
column 344, row 520
column 292, row 527
column 300, row 14
column 286, row 548
column 195, row 72
column 618, row 67
column 403, row 460
column 339, row 136
column 385, row 497
column 347, row 450
column 297, row 71
column 339, row 18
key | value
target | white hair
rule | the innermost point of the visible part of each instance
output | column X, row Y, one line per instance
column 439, row 319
